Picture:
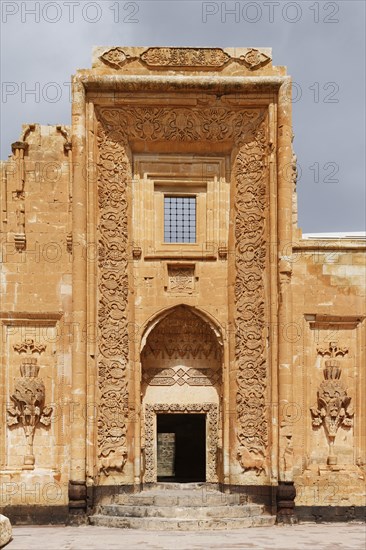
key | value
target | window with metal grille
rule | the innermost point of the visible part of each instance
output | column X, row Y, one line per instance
column 179, row 219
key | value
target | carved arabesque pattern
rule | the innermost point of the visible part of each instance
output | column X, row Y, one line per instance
column 212, row 435
column 250, row 255
column 182, row 124
column 112, row 307
column 247, row 130
column 182, row 335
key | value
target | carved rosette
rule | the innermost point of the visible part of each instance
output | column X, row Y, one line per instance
column 210, row 409
column 113, row 173
column 247, row 130
column 254, row 59
column 250, row 173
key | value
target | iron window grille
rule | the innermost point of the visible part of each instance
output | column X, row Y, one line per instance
column 179, row 219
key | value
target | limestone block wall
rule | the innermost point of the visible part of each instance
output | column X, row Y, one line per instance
column 328, row 334
column 35, row 318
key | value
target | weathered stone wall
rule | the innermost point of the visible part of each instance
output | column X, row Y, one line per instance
column 35, row 316
column 328, row 283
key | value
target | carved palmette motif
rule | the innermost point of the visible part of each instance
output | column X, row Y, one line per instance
column 28, row 407
column 333, row 409
column 247, row 130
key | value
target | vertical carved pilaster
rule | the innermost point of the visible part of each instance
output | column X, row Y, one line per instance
column 250, row 171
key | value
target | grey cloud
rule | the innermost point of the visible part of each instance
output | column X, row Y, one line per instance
column 322, row 53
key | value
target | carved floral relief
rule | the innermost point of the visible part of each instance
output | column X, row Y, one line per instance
column 112, row 297
column 28, row 408
column 333, row 408
column 250, row 257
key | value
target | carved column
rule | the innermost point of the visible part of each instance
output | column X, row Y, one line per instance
column 286, row 490
column 77, row 486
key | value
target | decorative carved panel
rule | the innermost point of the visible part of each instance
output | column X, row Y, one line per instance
column 181, row 279
column 115, row 57
column 185, row 57
column 250, row 172
column 212, row 412
column 28, row 398
column 113, row 174
column 246, row 129
column 182, row 124
column 333, row 407
column 189, row 58
column 182, row 335
column 181, row 376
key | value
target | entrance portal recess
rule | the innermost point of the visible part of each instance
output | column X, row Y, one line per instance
column 181, row 447
column 189, row 434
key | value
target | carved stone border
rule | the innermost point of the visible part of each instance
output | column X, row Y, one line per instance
column 212, row 411
column 247, row 130
column 192, row 58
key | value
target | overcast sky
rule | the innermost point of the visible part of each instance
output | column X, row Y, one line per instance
column 321, row 43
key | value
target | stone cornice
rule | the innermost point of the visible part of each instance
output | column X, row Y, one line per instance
column 341, row 245
column 178, row 83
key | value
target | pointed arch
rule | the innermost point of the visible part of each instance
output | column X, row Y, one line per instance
column 155, row 319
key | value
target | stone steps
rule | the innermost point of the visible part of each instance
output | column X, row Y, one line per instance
column 179, row 499
column 185, row 507
column 166, row 524
column 184, row 512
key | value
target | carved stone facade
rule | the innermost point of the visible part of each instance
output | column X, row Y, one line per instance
column 233, row 325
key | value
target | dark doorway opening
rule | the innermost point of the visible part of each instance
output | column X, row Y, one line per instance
column 181, row 449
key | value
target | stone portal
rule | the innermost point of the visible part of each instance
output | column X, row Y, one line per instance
column 181, row 398
column 179, row 288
